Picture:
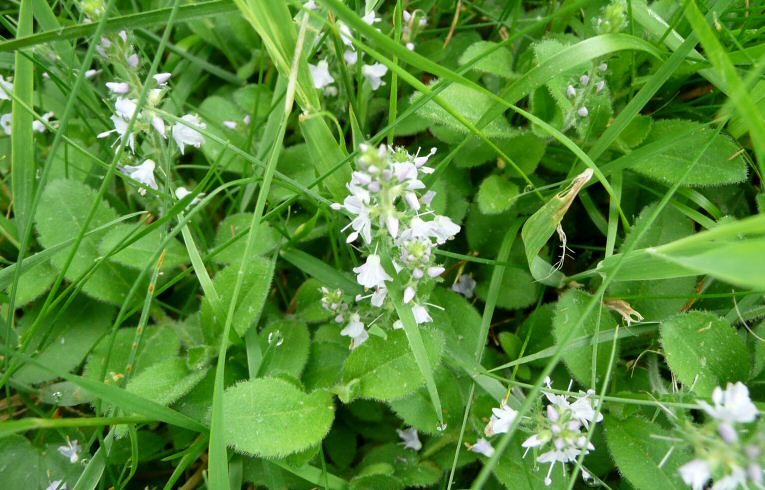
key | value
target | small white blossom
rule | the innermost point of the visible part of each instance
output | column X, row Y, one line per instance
column 125, row 108
column 6, row 123
column 162, row 78
column 371, row 18
column 409, row 438
column 583, row 112
column 230, row 124
column 143, row 173
column 409, row 293
column 182, row 192
column 351, row 57
column 500, row 420
column 120, row 127
column 374, row 74
column 371, row 274
column 91, row 73
column 602, row 67
column 185, row 134
column 435, row 271
column 118, row 87
column 311, row 5
column 71, row 450
column 159, row 125
column 421, row 314
column 132, row 60
column 482, row 446
column 731, row 405
column 600, row 86
column 584, row 80
column 320, row 74
column 39, row 126
column 355, row 330
column 696, row 473
column 465, row 286
column 56, row 485
column 571, row 91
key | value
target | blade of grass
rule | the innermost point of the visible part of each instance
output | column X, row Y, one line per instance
column 218, row 476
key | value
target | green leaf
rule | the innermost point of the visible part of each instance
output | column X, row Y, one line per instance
column 720, row 164
column 518, row 289
column 214, row 110
column 457, row 319
column 639, row 453
column 255, row 288
column 61, row 213
column 325, row 365
column 519, row 473
column 386, row 368
column 289, row 343
column 141, row 252
column 166, row 381
column 410, row 469
column 72, row 333
column 416, row 409
column 663, row 297
column 496, row 194
column 235, row 224
column 704, row 351
column 568, row 315
column 497, row 62
column 34, row 282
column 20, row 463
column 541, row 226
column 271, row 418
column 158, row 343
column 471, row 103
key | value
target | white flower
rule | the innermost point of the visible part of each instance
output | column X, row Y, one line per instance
column 482, row 446
column 421, row 314
column 311, row 5
column 345, row 34
column 132, row 60
column 371, row 274
column 38, row 126
column 56, row 485
column 320, row 74
column 410, row 46
column 443, row 229
column 408, row 294
column 91, row 73
column 5, row 123
column 143, row 173
column 435, row 271
column 465, row 286
column 162, row 78
column 571, row 91
column 583, row 112
column 355, row 330
column 735, row 480
column 584, row 80
column 500, row 420
column 120, row 127
column 159, row 125
column 230, row 124
column 118, row 87
column 351, row 57
column 602, row 67
column 409, row 438
column 71, row 450
column 374, row 74
column 125, row 108
column 584, row 409
column 696, row 473
column 732, row 405
column 185, row 134
column 6, row 88
column 600, row 86
column 371, row 18
column 378, row 297
column 182, row 192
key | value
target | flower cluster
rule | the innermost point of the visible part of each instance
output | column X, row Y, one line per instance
column 579, row 91
column 149, row 123
column 372, row 73
column 560, row 432
column 725, row 452
column 6, row 89
column 391, row 216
